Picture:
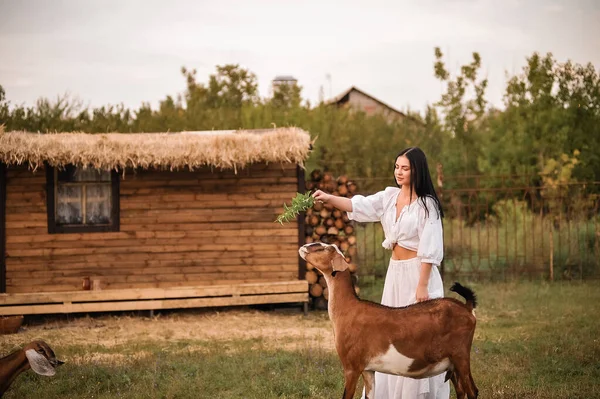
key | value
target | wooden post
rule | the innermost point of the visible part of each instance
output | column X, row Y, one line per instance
column 551, row 250
column 301, row 225
column 2, row 227
column 50, row 205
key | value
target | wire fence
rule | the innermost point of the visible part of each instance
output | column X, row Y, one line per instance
column 505, row 227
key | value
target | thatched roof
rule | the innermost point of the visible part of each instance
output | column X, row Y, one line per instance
column 190, row 150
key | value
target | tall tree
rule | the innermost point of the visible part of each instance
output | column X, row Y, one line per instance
column 463, row 107
column 231, row 87
column 286, row 96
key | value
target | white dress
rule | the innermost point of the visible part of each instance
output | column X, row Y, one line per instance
column 419, row 232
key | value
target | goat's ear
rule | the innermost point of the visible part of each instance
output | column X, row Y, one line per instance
column 338, row 263
column 39, row 363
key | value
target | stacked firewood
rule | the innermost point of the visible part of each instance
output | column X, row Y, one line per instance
column 326, row 224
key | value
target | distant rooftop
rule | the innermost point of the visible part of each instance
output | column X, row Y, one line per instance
column 345, row 97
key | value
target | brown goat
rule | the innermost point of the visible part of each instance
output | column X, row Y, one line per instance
column 417, row 341
column 36, row 355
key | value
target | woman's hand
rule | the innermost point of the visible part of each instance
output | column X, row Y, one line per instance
column 321, row 196
column 341, row 203
column 422, row 293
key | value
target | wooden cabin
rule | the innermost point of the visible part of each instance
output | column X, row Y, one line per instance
column 110, row 222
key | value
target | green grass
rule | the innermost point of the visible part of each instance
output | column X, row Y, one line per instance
column 538, row 340
column 238, row 369
column 215, row 373
column 533, row 340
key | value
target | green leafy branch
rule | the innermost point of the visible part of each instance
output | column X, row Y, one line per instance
column 300, row 203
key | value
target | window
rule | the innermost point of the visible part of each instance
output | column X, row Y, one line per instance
column 82, row 200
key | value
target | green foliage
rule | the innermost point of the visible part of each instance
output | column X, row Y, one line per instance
column 231, row 87
column 286, row 96
column 300, row 203
column 557, row 173
column 551, row 108
column 464, row 117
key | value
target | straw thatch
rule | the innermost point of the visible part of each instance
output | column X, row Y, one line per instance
column 219, row 149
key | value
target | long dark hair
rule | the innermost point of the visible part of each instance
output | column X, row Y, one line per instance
column 420, row 178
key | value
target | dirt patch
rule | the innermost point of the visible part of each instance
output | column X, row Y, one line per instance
column 270, row 330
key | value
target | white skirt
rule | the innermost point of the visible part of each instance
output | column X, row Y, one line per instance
column 400, row 290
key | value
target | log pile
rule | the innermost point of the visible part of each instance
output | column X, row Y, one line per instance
column 324, row 223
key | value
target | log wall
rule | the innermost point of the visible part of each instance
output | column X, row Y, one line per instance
column 176, row 229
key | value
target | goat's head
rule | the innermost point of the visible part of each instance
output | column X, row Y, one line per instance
column 327, row 258
column 41, row 358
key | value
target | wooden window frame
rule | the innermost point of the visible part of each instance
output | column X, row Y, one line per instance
column 53, row 228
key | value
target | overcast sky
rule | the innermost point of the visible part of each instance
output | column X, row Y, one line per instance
column 109, row 52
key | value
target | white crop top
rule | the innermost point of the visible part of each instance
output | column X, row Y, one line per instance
column 413, row 230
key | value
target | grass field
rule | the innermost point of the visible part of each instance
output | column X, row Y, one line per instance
column 533, row 340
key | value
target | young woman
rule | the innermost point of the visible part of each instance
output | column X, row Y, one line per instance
column 411, row 216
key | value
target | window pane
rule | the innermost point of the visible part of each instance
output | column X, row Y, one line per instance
column 68, row 205
column 97, row 204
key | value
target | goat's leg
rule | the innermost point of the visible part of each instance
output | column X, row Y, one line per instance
column 462, row 370
column 460, row 393
column 472, row 391
column 369, row 380
column 473, row 386
column 351, row 379
column 462, row 367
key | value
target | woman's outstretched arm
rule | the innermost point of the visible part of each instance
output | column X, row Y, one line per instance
column 341, row 203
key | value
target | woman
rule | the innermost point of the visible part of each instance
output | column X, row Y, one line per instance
column 411, row 216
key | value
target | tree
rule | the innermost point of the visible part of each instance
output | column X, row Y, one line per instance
column 286, row 96
column 219, row 104
column 551, row 109
column 4, row 111
column 231, row 87
column 463, row 117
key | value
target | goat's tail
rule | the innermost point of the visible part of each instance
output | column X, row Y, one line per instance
column 466, row 293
